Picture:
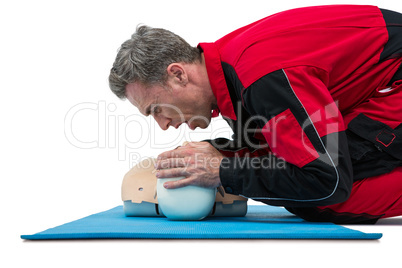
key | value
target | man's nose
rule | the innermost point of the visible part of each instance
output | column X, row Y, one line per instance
column 163, row 122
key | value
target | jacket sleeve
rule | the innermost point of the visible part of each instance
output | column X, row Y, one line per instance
column 309, row 163
column 236, row 148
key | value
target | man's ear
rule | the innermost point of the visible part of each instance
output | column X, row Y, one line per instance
column 177, row 73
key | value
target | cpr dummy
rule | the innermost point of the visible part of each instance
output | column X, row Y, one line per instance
column 140, row 197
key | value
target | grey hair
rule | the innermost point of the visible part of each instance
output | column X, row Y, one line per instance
column 145, row 57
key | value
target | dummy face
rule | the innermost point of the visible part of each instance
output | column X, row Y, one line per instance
column 181, row 101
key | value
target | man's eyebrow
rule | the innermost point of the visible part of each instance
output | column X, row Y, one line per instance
column 152, row 106
column 148, row 110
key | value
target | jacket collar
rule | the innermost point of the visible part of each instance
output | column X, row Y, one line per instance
column 217, row 81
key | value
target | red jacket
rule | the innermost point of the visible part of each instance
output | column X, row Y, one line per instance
column 286, row 81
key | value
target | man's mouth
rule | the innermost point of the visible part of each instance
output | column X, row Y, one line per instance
column 185, row 122
column 177, row 125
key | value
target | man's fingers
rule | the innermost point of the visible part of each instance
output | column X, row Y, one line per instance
column 188, row 149
column 170, row 163
column 177, row 184
column 185, row 143
column 180, row 152
column 198, row 144
column 168, row 154
column 172, row 173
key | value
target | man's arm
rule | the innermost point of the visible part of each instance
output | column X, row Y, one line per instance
column 235, row 148
column 303, row 126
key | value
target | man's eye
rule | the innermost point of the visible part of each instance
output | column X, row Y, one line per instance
column 156, row 110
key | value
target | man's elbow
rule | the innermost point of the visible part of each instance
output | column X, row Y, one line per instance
column 340, row 195
column 340, row 192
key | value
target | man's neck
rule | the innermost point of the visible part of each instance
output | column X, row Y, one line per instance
column 205, row 84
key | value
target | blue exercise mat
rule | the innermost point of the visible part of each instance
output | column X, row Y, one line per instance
column 261, row 222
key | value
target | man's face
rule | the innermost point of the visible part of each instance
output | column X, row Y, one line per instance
column 171, row 106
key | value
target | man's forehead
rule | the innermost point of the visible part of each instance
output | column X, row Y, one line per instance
column 136, row 93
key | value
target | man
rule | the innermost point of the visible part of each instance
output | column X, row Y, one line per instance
column 313, row 96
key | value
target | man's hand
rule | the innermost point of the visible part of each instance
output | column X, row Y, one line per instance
column 198, row 162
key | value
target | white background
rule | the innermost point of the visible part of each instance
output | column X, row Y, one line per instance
column 67, row 141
